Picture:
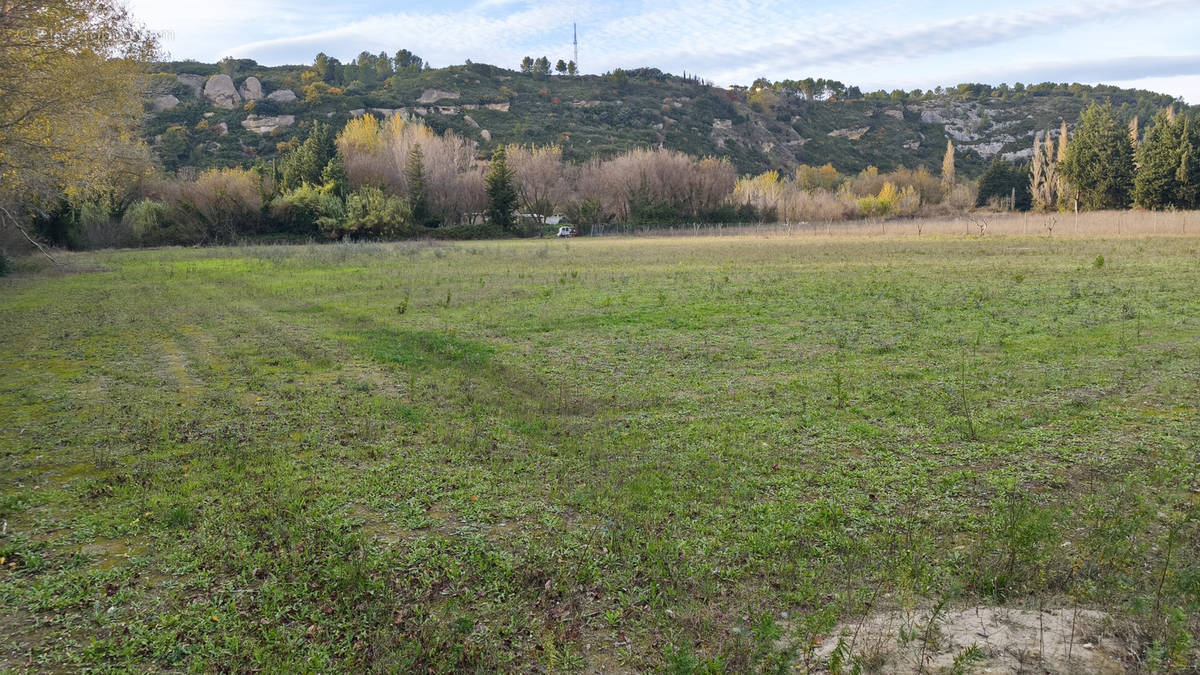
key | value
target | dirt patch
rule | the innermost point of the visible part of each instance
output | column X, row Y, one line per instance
column 107, row 554
column 982, row 640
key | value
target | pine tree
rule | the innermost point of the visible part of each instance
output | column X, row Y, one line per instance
column 305, row 164
column 1159, row 159
column 334, row 177
column 502, row 196
column 418, row 189
column 1099, row 161
column 948, row 166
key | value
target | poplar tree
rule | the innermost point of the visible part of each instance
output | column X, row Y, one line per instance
column 948, row 165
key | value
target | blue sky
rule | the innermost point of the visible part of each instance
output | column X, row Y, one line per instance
column 1151, row 44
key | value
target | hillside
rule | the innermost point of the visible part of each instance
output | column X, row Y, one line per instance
column 193, row 122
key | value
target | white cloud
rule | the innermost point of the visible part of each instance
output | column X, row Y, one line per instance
column 868, row 42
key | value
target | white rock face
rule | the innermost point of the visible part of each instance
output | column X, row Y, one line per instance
column 486, row 135
column 434, row 95
column 220, row 92
column 282, row 96
column 265, row 125
column 468, row 120
column 165, row 102
column 251, row 89
column 193, row 82
column 221, row 128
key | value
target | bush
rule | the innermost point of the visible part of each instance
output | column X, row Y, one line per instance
column 307, row 210
column 372, row 212
column 149, row 224
column 465, row 232
column 218, row 206
column 100, row 229
column 6, row 265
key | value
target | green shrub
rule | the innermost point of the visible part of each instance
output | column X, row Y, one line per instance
column 303, row 210
column 6, row 265
column 147, row 222
column 464, row 232
column 371, row 212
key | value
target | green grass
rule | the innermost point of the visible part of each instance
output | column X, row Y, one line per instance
column 686, row 454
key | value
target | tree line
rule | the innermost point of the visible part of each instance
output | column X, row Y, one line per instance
column 1104, row 164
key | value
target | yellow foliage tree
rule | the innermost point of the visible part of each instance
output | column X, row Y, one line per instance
column 70, row 99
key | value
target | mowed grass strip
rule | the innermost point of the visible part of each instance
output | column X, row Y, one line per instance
column 630, row 454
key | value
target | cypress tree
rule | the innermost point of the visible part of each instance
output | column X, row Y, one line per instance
column 1099, row 161
column 1159, row 159
column 1187, row 177
column 502, row 196
column 418, row 190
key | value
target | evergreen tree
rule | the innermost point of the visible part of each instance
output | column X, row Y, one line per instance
column 305, row 164
column 406, row 60
column 541, row 67
column 1099, row 161
column 1159, row 158
column 418, row 190
column 1007, row 183
column 502, row 196
column 1187, row 178
column 527, row 65
column 334, row 177
column 561, row 67
column 572, row 69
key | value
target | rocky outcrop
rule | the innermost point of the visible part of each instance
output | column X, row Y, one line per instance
column 221, row 128
column 435, row 95
column 501, row 107
column 282, row 96
column 165, row 102
column 852, row 134
column 265, row 125
column 220, row 92
column 251, row 89
column 469, row 120
column 193, row 82
column 485, row 135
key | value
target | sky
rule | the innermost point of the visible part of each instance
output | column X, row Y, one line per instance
column 1147, row 44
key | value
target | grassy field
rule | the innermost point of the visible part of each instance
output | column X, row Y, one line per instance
column 690, row 454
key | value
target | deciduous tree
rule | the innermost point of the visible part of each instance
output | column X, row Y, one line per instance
column 71, row 76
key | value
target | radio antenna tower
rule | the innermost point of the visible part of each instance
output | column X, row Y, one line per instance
column 575, row 42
